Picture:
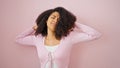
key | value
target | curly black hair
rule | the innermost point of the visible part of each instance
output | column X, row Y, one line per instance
column 65, row 24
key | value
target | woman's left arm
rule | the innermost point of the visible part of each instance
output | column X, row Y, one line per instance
column 84, row 33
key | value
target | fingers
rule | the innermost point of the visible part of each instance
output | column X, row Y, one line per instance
column 35, row 27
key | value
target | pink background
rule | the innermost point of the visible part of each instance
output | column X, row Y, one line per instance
column 103, row 15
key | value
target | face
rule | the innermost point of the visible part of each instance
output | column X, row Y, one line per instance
column 53, row 20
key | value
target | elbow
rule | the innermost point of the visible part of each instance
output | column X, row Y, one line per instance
column 97, row 35
column 18, row 40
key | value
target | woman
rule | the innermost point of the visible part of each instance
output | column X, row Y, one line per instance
column 54, row 35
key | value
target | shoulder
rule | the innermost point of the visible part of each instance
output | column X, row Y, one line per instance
column 38, row 39
column 38, row 36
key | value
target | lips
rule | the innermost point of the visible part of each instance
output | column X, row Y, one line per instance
column 53, row 23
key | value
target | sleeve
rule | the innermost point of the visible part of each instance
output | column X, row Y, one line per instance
column 82, row 33
column 26, row 38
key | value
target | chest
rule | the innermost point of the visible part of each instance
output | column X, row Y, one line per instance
column 63, row 49
column 51, row 42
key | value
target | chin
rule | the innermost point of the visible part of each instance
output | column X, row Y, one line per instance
column 52, row 29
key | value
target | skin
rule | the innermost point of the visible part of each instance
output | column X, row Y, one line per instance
column 50, row 39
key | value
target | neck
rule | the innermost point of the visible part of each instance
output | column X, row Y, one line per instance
column 50, row 35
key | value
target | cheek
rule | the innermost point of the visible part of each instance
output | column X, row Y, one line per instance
column 48, row 23
column 51, row 26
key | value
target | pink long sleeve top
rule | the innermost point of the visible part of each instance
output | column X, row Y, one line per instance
column 61, row 54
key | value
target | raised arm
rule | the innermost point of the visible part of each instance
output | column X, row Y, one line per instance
column 84, row 33
column 27, row 37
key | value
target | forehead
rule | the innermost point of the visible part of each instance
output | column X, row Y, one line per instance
column 56, row 14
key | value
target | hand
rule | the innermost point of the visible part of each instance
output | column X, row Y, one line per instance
column 35, row 27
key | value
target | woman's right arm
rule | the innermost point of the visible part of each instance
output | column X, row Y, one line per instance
column 27, row 37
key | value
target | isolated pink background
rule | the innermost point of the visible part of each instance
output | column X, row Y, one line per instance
column 103, row 15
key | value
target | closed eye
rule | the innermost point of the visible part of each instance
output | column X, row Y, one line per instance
column 53, row 17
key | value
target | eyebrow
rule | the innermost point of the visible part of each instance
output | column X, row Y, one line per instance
column 55, row 16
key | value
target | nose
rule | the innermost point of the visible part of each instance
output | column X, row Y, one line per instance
column 55, row 20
